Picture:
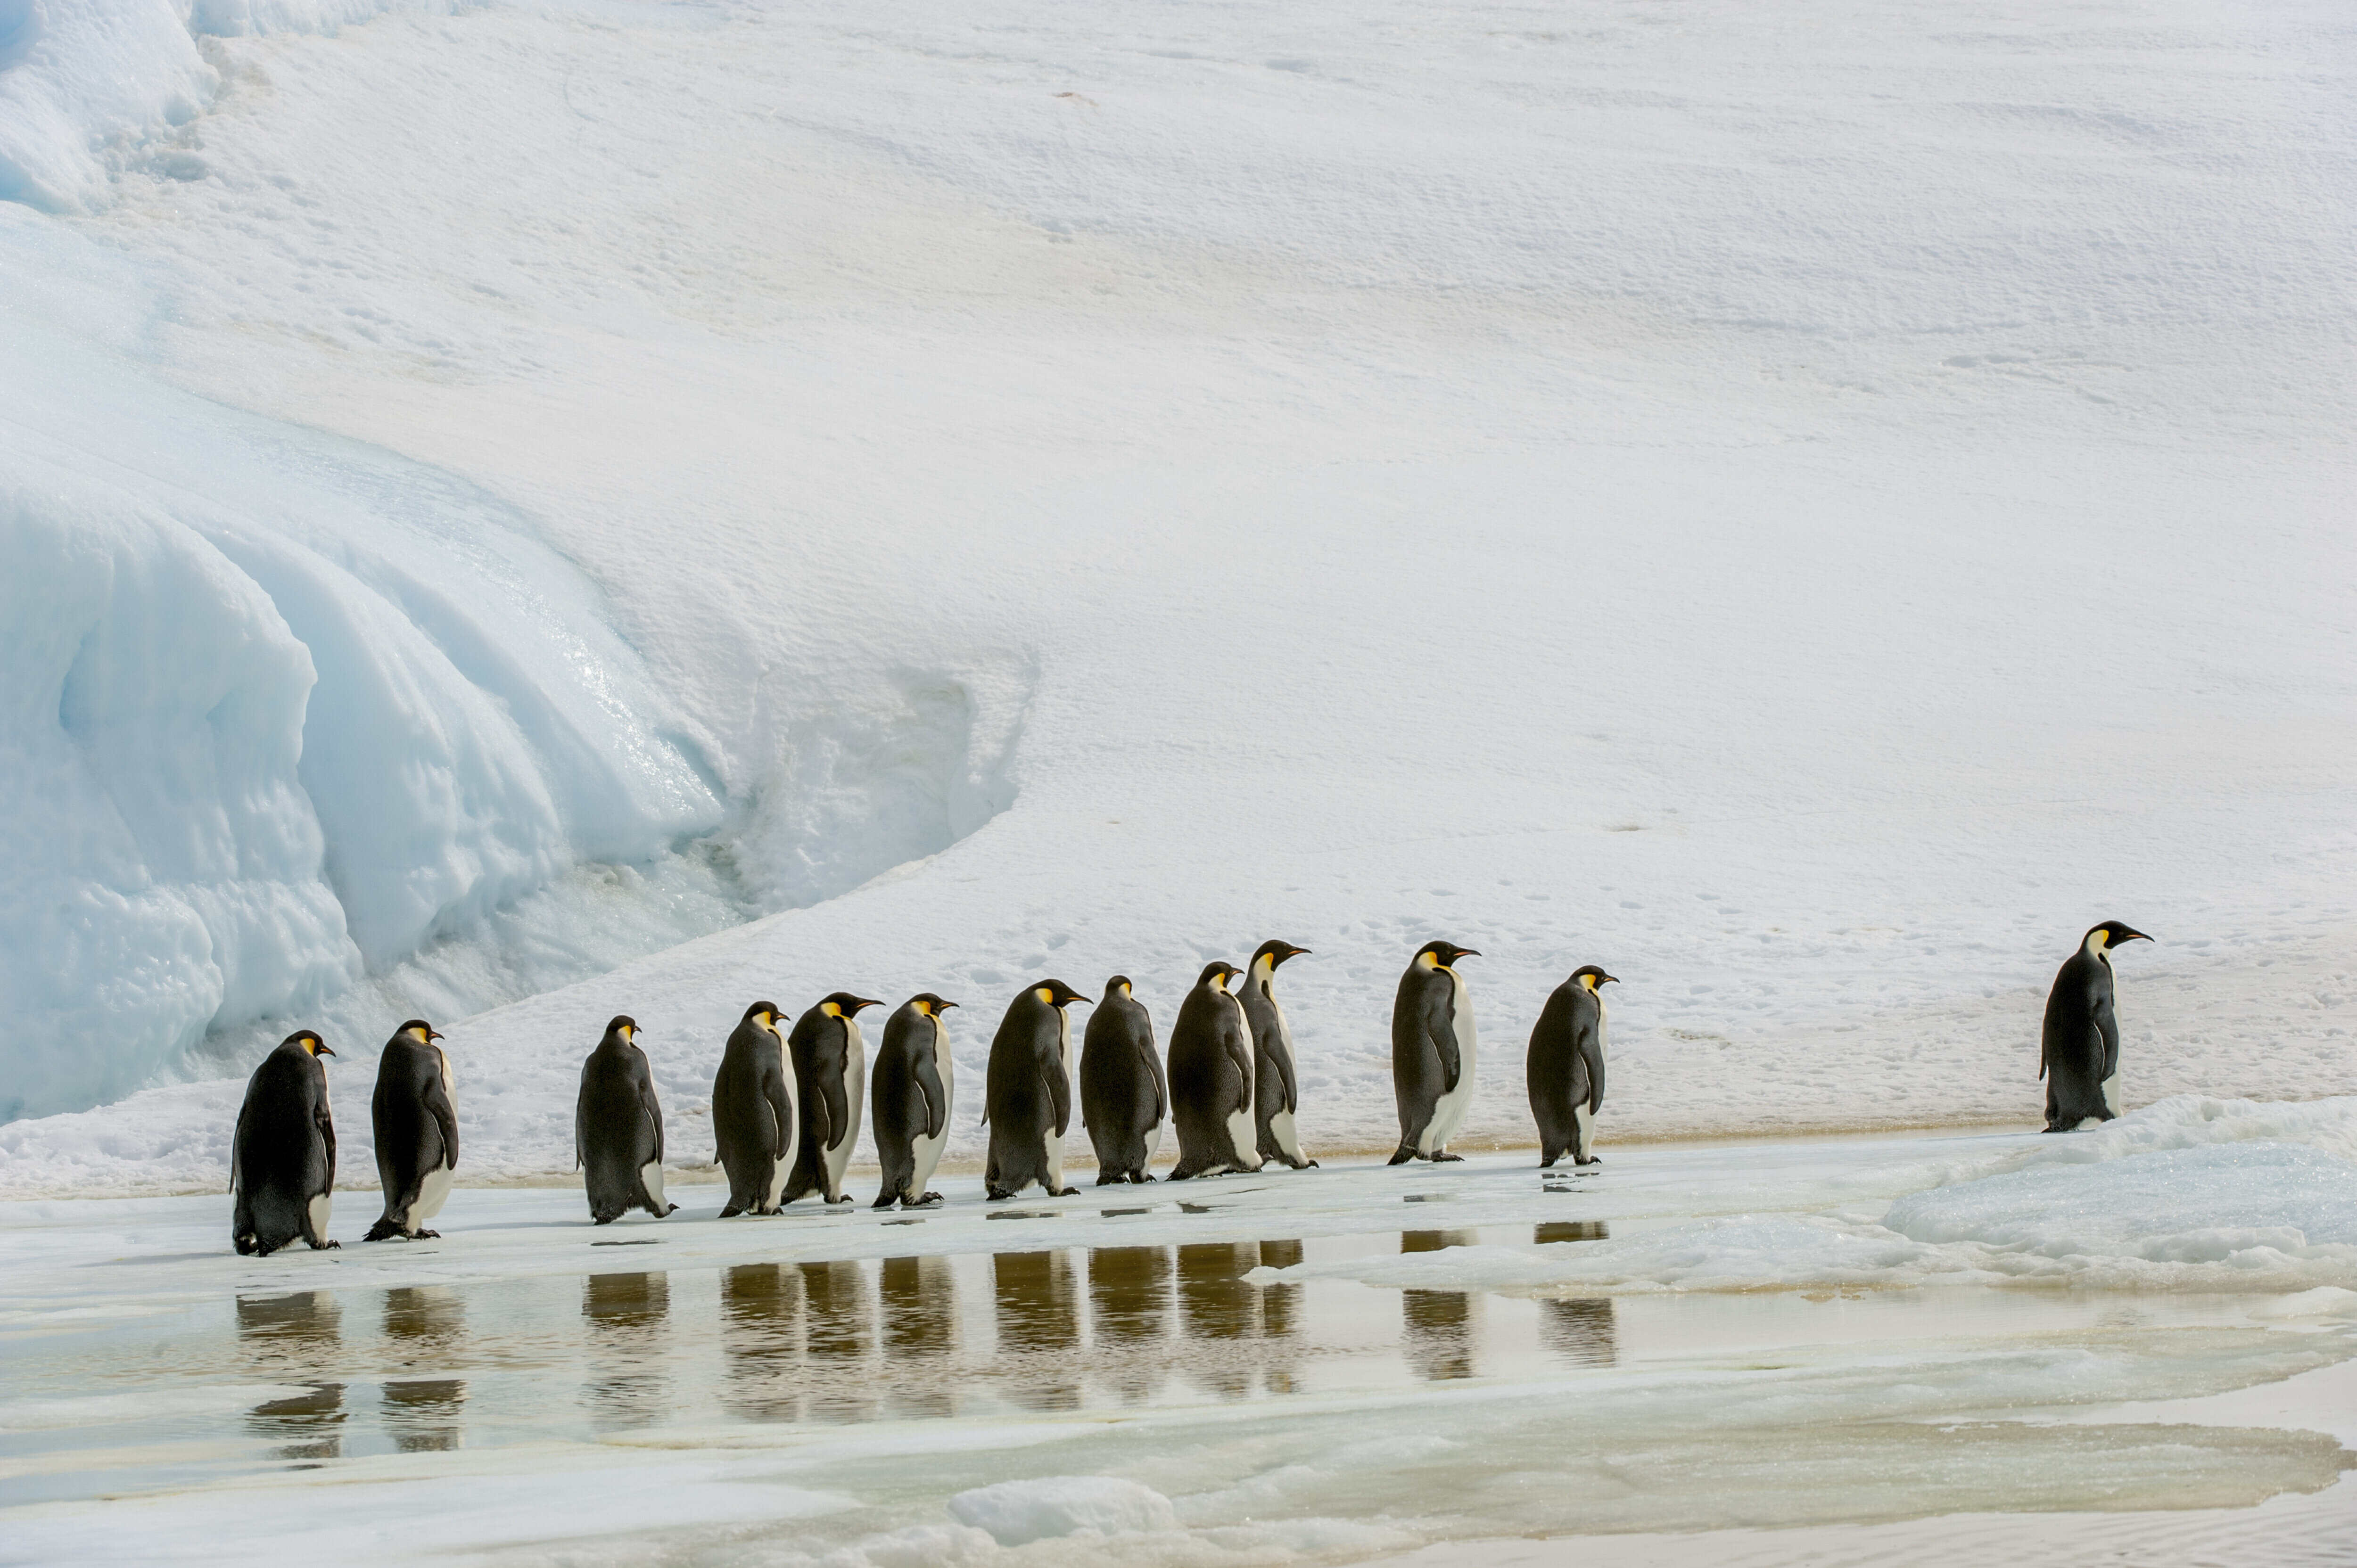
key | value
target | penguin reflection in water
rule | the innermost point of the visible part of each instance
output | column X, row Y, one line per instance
column 753, row 1121
column 1027, row 1100
column 416, row 1123
column 2079, row 1049
column 1565, row 1067
column 618, row 1128
column 1212, row 1079
column 1277, row 1089
column 1124, row 1095
column 915, row 1079
column 282, row 1163
column 831, row 1077
column 1432, row 1052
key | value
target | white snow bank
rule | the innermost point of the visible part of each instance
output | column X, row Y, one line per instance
column 2246, row 1198
column 87, row 86
column 1017, row 1513
column 276, row 710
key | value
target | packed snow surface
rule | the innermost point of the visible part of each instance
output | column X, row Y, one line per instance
column 1809, row 507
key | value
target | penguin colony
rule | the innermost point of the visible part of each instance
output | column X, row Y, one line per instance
column 1227, row 1087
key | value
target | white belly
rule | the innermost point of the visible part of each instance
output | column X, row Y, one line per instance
column 1241, row 1142
column 1582, row 1122
column 321, row 1207
column 2112, row 1094
column 1153, row 1141
column 776, row 1192
column 432, row 1193
column 1448, row 1112
column 651, row 1177
column 925, row 1151
column 1280, row 1127
column 837, row 1157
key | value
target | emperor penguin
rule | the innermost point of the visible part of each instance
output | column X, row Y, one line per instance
column 618, row 1128
column 830, row 1079
column 1276, row 1091
column 752, row 1115
column 1027, row 1100
column 1432, row 1052
column 416, row 1121
column 1211, row 1078
column 915, row 1082
column 1124, row 1095
column 1565, row 1067
column 282, row 1159
column 2079, row 1049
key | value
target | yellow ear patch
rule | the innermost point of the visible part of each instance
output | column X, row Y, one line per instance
column 1044, row 994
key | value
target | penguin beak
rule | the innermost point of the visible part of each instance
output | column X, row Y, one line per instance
column 434, row 1034
column 1609, row 980
column 1466, row 952
column 944, row 1006
column 322, row 1050
column 2129, row 934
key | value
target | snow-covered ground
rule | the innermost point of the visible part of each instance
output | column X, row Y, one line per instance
column 1808, row 506
column 1807, row 1345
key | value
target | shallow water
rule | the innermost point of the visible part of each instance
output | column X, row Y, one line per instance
column 766, row 1390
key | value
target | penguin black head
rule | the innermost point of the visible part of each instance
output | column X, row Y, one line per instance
column 764, row 1013
column 1056, row 994
column 844, row 1005
column 931, row 1005
column 1217, row 974
column 1595, row 976
column 310, row 1042
column 2111, row 934
column 419, row 1027
column 1443, row 954
column 1276, row 952
column 622, row 1024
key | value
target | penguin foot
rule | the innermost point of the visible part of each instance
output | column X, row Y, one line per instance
column 1108, row 1177
column 1590, row 1160
column 888, row 1198
column 998, row 1194
column 326, row 1246
column 596, row 1218
column 425, row 1235
column 731, row 1212
column 382, row 1230
column 1142, row 1177
column 1442, row 1157
column 1063, row 1192
column 1406, row 1153
column 246, row 1245
column 840, row 1202
column 929, row 1200
column 1182, row 1176
column 665, row 1212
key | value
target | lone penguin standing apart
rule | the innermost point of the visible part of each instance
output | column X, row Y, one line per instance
column 752, row 1115
column 2079, row 1049
column 282, row 1159
column 416, row 1124
column 1432, row 1052
column 618, row 1128
column 915, row 1080
column 1028, row 1101
column 830, row 1079
column 1124, row 1095
column 1276, row 1091
column 1565, row 1067
column 1212, row 1079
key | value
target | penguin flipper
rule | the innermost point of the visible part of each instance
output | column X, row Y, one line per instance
column 2108, row 1024
column 1059, row 1093
column 937, row 1099
column 1161, row 1083
column 446, row 1119
column 237, row 1152
column 781, row 1110
column 652, row 1108
column 1440, row 1033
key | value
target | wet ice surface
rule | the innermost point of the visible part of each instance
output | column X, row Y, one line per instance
column 924, row 1387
